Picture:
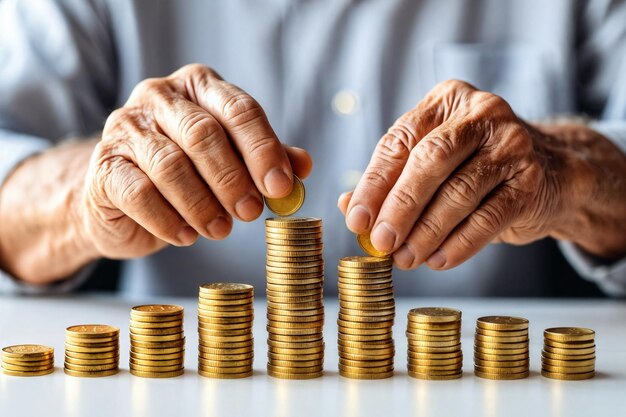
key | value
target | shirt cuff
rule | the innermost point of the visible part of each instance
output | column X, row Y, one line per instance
column 14, row 148
column 11, row 285
column 611, row 278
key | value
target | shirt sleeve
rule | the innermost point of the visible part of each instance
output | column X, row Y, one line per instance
column 57, row 80
column 602, row 93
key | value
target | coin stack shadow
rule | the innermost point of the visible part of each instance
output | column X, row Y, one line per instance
column 569, row 353
column 27, row 360
column 366, row 316
column 501, row 348
column 295, row 307
column 157, row 341
column 92, row 350
column 226, row 343
column 434, row 343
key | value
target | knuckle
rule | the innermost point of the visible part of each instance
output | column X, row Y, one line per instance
column 488, row 220
column 197, row 131
column 460, row 191
column 260, row 147
column 398, row 141
column 167, row 163
column 228, row 178
column 134, row 190
column 240, row 109
column 403, row 199
column 430, row 227
column 434, row 150
column 465, row 241
column 376, row 178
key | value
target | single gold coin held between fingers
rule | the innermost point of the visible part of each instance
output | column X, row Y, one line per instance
column 365, row 243
column 288, row 205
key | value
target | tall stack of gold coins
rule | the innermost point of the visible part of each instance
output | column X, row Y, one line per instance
column 366, row 316
column 92, row 350
column 157, row 341
column 434, row 343
column 27, row 360
column 569, row 353
column 226, row 344
column 295, row 308
column 501, row 348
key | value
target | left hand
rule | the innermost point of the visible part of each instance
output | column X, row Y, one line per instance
column 455, row 173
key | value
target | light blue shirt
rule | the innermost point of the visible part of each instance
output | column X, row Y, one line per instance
column 332, row 75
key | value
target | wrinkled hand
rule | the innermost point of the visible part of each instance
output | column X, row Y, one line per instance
column 455, row 173
column 181, row 158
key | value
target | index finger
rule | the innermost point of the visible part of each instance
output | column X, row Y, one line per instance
column 247, row 125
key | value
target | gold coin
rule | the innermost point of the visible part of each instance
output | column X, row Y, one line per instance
column 367, row 325
column 568, row 377
column 97, row 331
column 432, row 349
column 288, row 205
column 351, row 279
column 377, row 353
column 567, row 370
column 26, row 351
column 492, row 339
column 156, row 310
column 158, row 345
column 506, row 358
column 499, row 370
column 294, row 357
column 413, row 337
column 225, row 327
column 21, row 368
column 420, row 333
column 224, row 288
column 91, row 368
column 156, row 325
column 155, row 319
column 572, row 364
column 435, row 370
column 569, row 334
column 364, row 332
column 292, row 339
column 91, row 374
column 86, row 342
column 207, row 351
column 500, row 352
column 501, row 333
column 216, row 320
column 154, row 368
column 157, row 351
column 83, row 349
column 557, row 356
column 569, row 345
column 436, row 362
column 417, row 344
column 500, row 346
column 227, row 370
column 292, row 314
column 502, row 323
column 27, row 373
column 226, row 357
column 365, row 243
column 355, row 369
column 366, row 364
column 430, row 377
column 210, row 374
column 152, row 363
column 360, row 318
column 501, row 364
column 293, row 222
column 159, row 338
column 82, row 355
column 434, row 315
column 288, row 319
column 379, row 305
column 293, row 370
column 453, row 325
column 104, row 361
column 364, row 287
column 359, row 375
column 216, row 304
column 365, row 262
column 560, row 351
column 298, row 364
column 456, row 355
column 287, row 375
column 214, row 316
column 315, row 280
column 152, row 374
column 211, row 344
column 297, row 352
column 291, row 231
column 366, row 299
column 520, row 375
column 39, row 362
column 298, row 345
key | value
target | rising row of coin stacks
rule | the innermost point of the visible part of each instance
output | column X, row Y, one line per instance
column 434, row 343
column 366, row 316
column 225, row 317
column 295, row 308
column 27, row 360
column 92, row 350
column 569, row 353
column 501, row 348
column 157, row 341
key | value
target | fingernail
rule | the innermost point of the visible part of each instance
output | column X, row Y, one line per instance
column 187, row 235
column 383, row 237
column 437, row 260
column 404, row 257
column 249, row 207
column 277, row 183
column 358, row 219
column 219, row 227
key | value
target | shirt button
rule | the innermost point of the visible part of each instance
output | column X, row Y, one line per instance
column 345, row 103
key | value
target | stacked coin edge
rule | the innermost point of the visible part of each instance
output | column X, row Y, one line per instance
column 92, row 350
column 27, row 360
column 501, row 348
column 569, row 353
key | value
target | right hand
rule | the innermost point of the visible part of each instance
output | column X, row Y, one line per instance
column 181, row 158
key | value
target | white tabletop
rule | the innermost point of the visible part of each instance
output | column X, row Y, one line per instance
column 43, row 320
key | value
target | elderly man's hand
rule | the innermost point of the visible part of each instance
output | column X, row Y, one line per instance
column 457, row 172
column 185, row 155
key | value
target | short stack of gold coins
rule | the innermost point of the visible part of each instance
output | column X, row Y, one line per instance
column 366, row 316
column 92, row 350
column 157, row 341
column 27, row 360
column 226, row 343
column 501, row 348
column 295, row 307
column 434, row 343
column 569, row 353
